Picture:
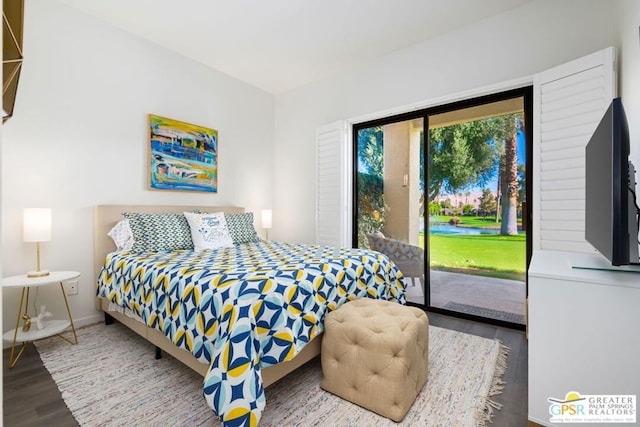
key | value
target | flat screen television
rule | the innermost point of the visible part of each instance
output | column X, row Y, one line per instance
column 611, row 211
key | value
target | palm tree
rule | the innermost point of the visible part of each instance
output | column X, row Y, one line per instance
column 509, row 186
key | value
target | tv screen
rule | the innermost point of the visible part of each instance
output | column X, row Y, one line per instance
column 611, row 212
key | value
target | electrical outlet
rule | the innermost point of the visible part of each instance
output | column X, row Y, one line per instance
column 71, row 287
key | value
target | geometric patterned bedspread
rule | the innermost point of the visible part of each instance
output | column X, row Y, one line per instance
column 245, row 307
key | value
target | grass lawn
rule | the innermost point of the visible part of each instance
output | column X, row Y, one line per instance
column 471, row 221
column 490, row 255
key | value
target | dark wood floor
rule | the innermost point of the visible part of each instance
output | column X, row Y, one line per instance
column 31, row 398
column 29, row 394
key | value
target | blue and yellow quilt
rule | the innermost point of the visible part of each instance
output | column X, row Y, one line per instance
column 245, row 307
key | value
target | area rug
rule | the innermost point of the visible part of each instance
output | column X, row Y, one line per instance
column 110, row 378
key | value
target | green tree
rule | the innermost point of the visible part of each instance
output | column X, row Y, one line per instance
column 371, row 207
column 371, row 151
column 370, row 183
column 487, row 202
column 467, row 154
column 446, row 203
column 461, row 155
column 434, row 209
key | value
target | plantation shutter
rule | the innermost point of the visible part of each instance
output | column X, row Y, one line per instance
column 569, row 101
column 332, row 186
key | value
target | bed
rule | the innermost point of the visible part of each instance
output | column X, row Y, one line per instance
column 244, row 315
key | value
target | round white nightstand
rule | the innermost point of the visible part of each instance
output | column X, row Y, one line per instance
column 51, row 327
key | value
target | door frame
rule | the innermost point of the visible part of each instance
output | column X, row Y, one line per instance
column 526, row 92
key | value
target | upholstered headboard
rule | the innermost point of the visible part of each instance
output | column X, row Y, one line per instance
column 106, row 216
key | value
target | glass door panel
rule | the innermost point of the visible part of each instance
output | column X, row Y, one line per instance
column 476, row 196
column 390, row 197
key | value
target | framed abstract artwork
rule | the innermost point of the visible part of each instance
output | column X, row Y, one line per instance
column 182, row 156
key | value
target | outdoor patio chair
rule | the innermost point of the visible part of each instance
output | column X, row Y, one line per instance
column 408, row 258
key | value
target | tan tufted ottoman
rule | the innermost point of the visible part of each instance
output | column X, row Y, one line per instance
column 375, row 354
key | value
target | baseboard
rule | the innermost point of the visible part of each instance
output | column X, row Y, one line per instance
column 89, row 320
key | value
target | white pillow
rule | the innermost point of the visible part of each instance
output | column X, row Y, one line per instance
column 208, row 231
column 122, row 236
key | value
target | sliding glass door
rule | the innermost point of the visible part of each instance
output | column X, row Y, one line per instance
column 443, row 193
column 477, row 181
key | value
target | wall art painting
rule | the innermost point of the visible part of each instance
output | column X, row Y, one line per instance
column 182, row 156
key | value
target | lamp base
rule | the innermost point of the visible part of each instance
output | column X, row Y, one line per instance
column 39, row 273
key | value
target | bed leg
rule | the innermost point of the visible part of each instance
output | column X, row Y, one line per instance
column 158, row 353
column 108, row 319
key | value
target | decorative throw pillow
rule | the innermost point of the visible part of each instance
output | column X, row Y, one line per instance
column 241, row 227
column 208, row 231
column 122, row 235
column 159, row 232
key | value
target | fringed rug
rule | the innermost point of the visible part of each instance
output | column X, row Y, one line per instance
column 112, row 379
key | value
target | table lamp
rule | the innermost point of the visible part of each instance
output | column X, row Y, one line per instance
column 266, row 222
column 37, row 228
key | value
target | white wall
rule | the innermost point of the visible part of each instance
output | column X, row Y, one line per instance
column 628, row 14
column 516, row 44
column 78, row 138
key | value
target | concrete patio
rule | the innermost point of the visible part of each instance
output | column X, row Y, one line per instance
column 500, row 299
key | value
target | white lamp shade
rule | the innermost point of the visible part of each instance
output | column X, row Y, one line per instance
column 267, row 218
column 36, row 225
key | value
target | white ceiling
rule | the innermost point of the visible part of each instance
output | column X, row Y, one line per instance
column 278, row 45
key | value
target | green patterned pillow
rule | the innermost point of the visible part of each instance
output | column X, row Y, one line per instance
column 159, row 232
column 241, row 227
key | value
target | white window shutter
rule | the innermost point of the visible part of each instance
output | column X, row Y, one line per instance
column 569, row 101
column 333, row 185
